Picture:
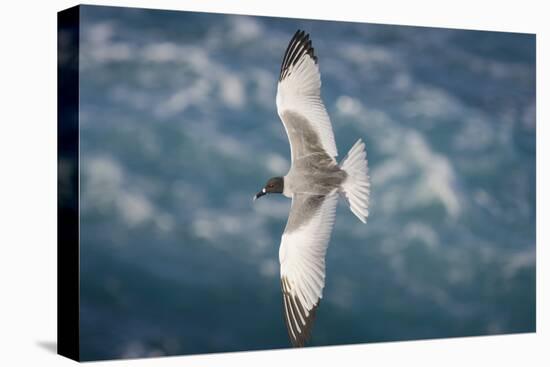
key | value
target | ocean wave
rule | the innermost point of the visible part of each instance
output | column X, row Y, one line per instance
column 180, row 130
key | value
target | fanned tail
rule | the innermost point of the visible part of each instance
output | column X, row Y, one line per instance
column 356, row 187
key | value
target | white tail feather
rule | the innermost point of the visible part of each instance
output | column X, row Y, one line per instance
column 356, row 187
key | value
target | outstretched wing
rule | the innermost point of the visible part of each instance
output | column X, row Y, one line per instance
column 299, row 103
column 302, row 257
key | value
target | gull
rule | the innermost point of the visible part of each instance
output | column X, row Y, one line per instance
column 314, row 182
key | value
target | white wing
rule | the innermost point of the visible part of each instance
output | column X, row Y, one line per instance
column 299, row 92
column 302, row 257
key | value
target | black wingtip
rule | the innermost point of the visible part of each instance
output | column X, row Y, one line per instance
column 299, row 45
column 293, row 311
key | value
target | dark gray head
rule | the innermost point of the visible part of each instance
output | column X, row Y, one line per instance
column 274, row 185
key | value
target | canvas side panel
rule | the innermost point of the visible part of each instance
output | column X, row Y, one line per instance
column 68, row 183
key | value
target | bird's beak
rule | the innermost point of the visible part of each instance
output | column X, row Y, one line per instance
column 260, row 194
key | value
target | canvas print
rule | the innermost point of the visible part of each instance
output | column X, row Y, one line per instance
column 252, row 183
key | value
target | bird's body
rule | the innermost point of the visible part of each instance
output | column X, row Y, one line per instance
column 313, row 171
column 314, row 182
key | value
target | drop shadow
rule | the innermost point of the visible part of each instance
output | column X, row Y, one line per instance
column 50, row 346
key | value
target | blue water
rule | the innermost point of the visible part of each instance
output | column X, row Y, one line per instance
column 179, row 130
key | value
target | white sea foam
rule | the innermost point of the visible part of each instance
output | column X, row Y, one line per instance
column 135, row 98
column 138, row 349
column 388, row 171
column 134, row 207
column 348, row 106
column 476, row 134
column 194, row 94
column 162, row 52
column 223, row 230
column 98, row 33
column 277, row 164
column 368, row 57
column 232, row 91
column 437, row 179
column 229, row 146
column 519, row 261
column 99, row 47
column 106, row 186
column 244, row 29
column 430, row 103
column 430, row 175
column 402, row 82
column 421, row 232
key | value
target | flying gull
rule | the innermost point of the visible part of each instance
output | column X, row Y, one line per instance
column 314, row 182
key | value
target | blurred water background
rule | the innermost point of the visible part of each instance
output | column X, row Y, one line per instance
column 179, row 130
